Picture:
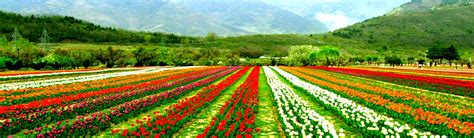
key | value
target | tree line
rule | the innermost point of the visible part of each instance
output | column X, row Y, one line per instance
column 70, row 29
column 308, row 55
column 20, row 53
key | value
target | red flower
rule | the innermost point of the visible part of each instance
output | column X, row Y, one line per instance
column 125, row 132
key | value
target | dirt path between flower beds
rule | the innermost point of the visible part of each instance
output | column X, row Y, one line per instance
column 267, row 117
column 203, row 119
column 333, row 118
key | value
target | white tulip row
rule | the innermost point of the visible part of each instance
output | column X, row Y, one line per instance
column 298, row 119
column 361, row 116
column 62, row 73
column 42, row 83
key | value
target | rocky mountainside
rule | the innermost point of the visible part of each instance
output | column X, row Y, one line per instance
column 186, row 17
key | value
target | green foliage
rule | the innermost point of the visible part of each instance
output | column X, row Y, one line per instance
column 440, row 53
column 211, row 37
column 371, row 59
column 69, row 29
column 435, row 52
column 393, row 60
column 330, row 54
column 466, row 57
column 55, row 61
column 3, row 41
column 421, row 61
column 145, row 57
column 450, row 54
column 405, row 32
column 300, row 55
column 39, row 64
column 5, row 62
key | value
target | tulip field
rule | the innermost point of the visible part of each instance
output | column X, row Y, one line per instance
column 238, row 101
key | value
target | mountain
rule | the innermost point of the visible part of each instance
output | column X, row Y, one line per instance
column 256, row 17
column 335, row 14
column 443, row 24
column 340, row 14
column 186, row 17
column 427, row 5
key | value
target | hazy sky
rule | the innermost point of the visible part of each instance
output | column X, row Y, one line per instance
column 359, row 10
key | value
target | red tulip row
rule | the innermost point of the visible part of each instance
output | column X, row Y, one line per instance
column 95, row 122
column 184, row 111
column 237, row 116
column 459, row 87
column 47, row 115
column 418, row 117
column 70, row 98
column 424, row 72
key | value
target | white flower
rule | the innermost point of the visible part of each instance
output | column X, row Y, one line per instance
column 350, row 110
column 49, row 82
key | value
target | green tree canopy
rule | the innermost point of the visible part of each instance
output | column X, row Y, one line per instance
column 299, row 55
column 330, row 54
column 450, row 54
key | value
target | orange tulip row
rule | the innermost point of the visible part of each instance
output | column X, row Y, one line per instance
column 427, row 102
column 43, row 92
column 432, row 118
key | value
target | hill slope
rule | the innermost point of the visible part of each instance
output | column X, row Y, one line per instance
column 445, row 25
column 67, row 29
column 427, row 5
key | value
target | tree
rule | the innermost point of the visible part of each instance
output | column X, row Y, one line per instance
column 110, row 56
column 299, row 55
column 313, row 57
column 466, row 58
column 144, row 56
column 211, row 37
column 410, row 60
column 450, row 54
column 371, row 59
column 275, row 57
column 358, row 60
column 251, row 52
column 393, row 60
column 82, row 58
column 330, row 54
column 5, row 62
column 435, row 52
column 147, row 38
column 421, row 61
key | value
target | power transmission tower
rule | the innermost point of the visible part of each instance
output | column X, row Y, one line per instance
column 44, row 39
column 16, row 36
